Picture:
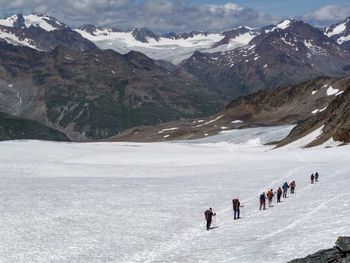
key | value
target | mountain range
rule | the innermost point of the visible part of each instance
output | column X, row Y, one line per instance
column 92, row 82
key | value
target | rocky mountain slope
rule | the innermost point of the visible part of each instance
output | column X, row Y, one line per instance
column 18, row 128
column 285, row 105
column 332, row 121
column 290, row 52
column 340, row 253
column 95, row 94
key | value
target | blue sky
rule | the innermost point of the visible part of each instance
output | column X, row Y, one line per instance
column 182, row 15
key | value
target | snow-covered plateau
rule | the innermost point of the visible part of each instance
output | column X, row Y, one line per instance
column 144, row 202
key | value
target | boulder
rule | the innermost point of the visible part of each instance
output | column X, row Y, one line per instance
column 343, row 244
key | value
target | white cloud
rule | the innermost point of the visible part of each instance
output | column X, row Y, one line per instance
column 329, row 13
column 158, row 15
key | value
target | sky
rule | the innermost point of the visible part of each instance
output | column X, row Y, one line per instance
column 182, row 15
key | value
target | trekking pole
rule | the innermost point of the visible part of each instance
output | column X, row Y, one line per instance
column 243, row 211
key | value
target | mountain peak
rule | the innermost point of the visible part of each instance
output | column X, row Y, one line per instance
column 143, row 34
column 42, row 21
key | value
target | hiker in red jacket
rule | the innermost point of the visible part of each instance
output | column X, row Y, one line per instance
column 269, row 197
column 209, row 217
column 236, row 205
column 292, row 187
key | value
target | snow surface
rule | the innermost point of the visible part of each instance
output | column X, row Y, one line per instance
column 173, row 50
column 8, row 22
column 138, row 202
column 304, row 141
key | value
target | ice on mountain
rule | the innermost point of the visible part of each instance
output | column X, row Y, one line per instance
column 38, row 21
column 343, row 39
column 339, row 29
column 209, row 122
column 15, row 40
column 331, row 91
column 236, row 121
column 282, row 25
column 168, row 129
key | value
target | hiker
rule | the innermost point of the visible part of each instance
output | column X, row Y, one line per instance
column 316, row 177
column 262, row 201
column 209, row 216
column 269, row 197
column 285, row 189
column 279, row 194
column 312, row 178
column 236, row 205
column 292, row 187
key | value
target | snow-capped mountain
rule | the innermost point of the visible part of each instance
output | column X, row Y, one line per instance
column 170, row 47
column 287, row 53
column 340, row 32
column 41, row 32
column 43, row 21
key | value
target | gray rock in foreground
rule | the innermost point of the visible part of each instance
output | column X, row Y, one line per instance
column 338, row 254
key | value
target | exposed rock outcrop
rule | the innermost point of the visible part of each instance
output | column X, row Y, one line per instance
column 338, row 254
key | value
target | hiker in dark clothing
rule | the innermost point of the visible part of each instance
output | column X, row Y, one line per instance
column 209, row 216
column 236, row 205
column 292, row 187
column 312, row 178
column 279, row 194
column 262, row 201
column 285, row 189
column 316, row 177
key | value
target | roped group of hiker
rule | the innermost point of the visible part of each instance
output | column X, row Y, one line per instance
column 281, row 192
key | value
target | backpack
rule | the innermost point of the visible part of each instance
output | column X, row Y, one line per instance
column 235, row 203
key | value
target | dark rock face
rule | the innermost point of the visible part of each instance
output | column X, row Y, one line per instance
column 14, row 128
column 338, row 254
column 344, row 244
column 142, row 35
column 95, row 94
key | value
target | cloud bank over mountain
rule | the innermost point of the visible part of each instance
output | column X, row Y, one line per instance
column 163, row 15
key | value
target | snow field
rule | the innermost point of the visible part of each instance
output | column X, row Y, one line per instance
column 134, row 202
